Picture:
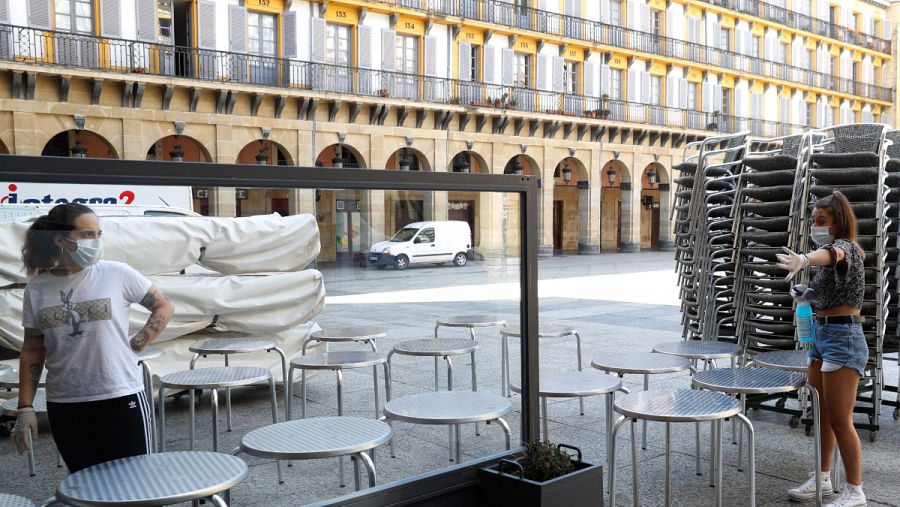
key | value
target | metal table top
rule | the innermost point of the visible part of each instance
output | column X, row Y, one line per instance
column 549, row 330
column 790, row 360
column 220, row 376
column 749, row 380
column 348, row 334
column 10, row 406
column 316, row 437
column 471, row 321
column 153, row 479
column 436, row 347
column 677, row 405
column 641, row 362
column 232, row 346
column 7, row 500
column 339, row 360
column 447, row 407
column 569, row 384
column 10, row 379
column 699, row 349
column 150, row 352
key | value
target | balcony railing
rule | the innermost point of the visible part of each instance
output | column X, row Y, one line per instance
column 84, row 51
column 551, row 23
column 804, row 22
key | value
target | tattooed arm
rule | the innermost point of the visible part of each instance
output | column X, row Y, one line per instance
column 31, row 365
column 161, row 311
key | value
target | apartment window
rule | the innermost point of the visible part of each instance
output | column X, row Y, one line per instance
column 522, row 6
column 407, row 54
column 810, row 108
column 782, row 53
column 656, row 90
column 691, row 96
column 74, row 16
column 474, row 62
column 570, row 77
column 726, row 102
column 615, row 84
column 165, row 12
column 261, row 33
column 522, row 70
column 754, row 46
column 656, row 22
column 615, row 13
column 724, row 39
column 337, row 44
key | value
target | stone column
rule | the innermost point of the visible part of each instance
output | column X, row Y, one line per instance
column 301, row 200
column 222, row 200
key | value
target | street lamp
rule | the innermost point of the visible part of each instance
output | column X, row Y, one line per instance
column 518, row 170
column 652, row 177
column 338, row 160
column 611, row 176
column 462, row 165
column 78, row 150
column 177, row 154
column 567, row 174
column 262, row 158
column 404, row 160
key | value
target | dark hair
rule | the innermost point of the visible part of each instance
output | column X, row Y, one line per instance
column 40, row 253
column 843, row 218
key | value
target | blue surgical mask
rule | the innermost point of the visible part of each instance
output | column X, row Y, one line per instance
column 87, row 253
column 820, row 235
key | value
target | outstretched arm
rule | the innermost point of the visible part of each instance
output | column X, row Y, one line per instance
column 161, row 311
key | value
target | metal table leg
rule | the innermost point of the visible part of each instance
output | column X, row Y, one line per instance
column 612, row 458
column 474, row 376
column 718, row 458
column 635, row 491
column 644, row 423
column 544, row 418
column 274, row 421
column 340, row 402
column 283, row 376
column 668, row 468
column 581, row 398
column 458, row 444
column 227, row 401
column 504, row 366
column 214, row 400
column 506, row 432
column 450, row 431
column 713, row 445
column 162, row 419
column 289, row 394
column 302, row 393
column 370, row 468
column 355, row 460
column 148, row 391
column 192, row 414
column 751, row 451
column 817, row 430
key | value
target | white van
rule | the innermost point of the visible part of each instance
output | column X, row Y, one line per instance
column 425, row 242
column 15, row 211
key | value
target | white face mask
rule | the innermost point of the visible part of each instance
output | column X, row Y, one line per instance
column 87, row 253
column 821, row 235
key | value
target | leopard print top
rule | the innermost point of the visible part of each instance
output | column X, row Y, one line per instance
column 843, row 283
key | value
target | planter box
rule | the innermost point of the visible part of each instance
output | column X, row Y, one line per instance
column 584, row 487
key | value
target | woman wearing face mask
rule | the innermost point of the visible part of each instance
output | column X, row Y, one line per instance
column 839, row 352
column 75, row 317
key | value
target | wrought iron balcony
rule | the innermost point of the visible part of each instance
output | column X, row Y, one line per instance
column 134, row 57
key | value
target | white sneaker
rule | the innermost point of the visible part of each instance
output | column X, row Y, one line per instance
column 851, row 496
column 807, row 490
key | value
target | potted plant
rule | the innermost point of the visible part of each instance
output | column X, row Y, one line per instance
column 383, row 92
column 713, row 121
column 603, row 113
column 545, row 475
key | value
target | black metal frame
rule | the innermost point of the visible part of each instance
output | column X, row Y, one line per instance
column 147, row 172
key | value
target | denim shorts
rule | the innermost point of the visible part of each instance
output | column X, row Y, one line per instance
column 842, row 344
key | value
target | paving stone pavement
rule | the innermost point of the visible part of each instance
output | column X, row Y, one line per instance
column 602, row 305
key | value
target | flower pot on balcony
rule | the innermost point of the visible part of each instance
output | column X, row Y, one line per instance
column 505, row 484
column 604, row 114
column 712, row 126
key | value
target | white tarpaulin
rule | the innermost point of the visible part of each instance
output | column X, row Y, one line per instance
column 259, row 305
column 159, row 245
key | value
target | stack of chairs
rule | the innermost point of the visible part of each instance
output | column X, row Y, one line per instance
column 851, row 159
column 704, row 241
column 892, row 331
column 769, row 215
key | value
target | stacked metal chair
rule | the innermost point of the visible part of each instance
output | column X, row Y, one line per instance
column 769, row 215
column 703, row 231
column 851, row 159
column 892, row 330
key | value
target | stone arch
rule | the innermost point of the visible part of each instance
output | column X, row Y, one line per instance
column 475, row 162
column 264, row 201
column 264, row 152
column 654, row 201
column 79, row 143
column 571, row 206
column 352, row 158
column 528, row 164
column 615, row 206
column 417, row 160
column 168, row 147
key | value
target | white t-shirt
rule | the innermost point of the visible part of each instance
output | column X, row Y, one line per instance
column 84, row 320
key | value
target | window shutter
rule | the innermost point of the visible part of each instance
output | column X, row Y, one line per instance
column 707, row 97
column 146, row 20
column 289, row 34
column 590, row 68
column 4, row 11
column 542, row 5
column 206, row 23
column 644, row 11
column 671, row 91
column 673, row 25
column 558, row 71
column 110, row 18
column 739, row 43
column 634, row 85
column 822, row 9
column 645, row 87
column 683, row 93
column 604, row 11
column 604, row 79
column 694, row 30
column 717, row 99
column 237, row 28
column 490, row 65
column 543, row 71
column 802, row 119
column 39, row 14
column 317, row 34
column 430, row 55
column 464, row 63
column 631, row 16
column 364, row 41
column 507, row 57
column 388, row 49
column 887, row 27
column 785, row 110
